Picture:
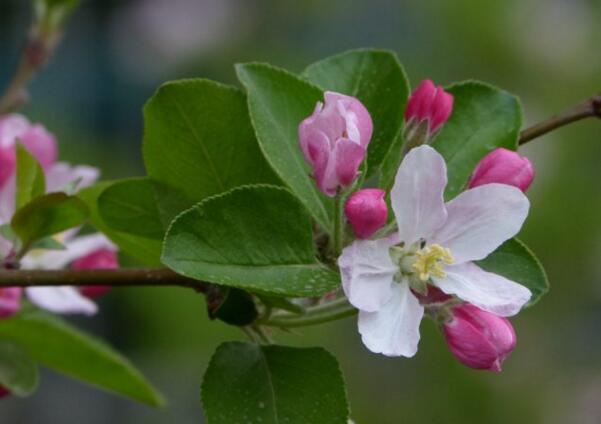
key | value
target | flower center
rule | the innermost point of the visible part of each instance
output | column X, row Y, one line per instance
column 420, row 262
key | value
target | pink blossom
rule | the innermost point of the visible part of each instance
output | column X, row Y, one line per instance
column 479, row 339
column 99, row 259
column 10, row 301
column 334, row 140
column 366, row 211
column 428, row 105
column 504, row 167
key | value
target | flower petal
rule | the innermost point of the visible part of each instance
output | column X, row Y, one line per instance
column 359, row 126
column 490, row 292
column 348, row 156
column 417, row 194
column 394, row 329
column 480, row 220
column 62, row 174
column 61, row 300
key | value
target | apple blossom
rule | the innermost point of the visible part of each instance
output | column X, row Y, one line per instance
column 437, row 244
column 103, row 258
column 334, row 140
column 366, row 211
column 428, row 109
column 10, row 301
column 505, row 167
column 478, row 338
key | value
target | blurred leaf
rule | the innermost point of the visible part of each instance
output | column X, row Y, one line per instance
column 30, row 178
column 48, row 215
column 48, row 243
column 515, row 261
column 281, row 303
column 145, row 250
column 199, row 140
column 377, row 79
column 278, row 102
column 484, row 118
column 18, row 373
column 232, row 306
column 59, row 346
column 130, row 206
column 273, row 384
column 255, row 238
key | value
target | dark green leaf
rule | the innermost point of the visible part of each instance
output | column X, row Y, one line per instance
column 48, row 215
column 515, row 261
column 59, row 346
column 273, row 385
column 231, row 305
column 484, row 118
column 377, row 79
column 278, row 102
column 30, row 178
column 18, row 373
column 130, row 206
column 254, row 237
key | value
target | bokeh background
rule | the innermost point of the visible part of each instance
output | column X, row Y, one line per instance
column 116, row 53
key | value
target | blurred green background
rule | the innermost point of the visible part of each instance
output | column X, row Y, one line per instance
column 116, row 53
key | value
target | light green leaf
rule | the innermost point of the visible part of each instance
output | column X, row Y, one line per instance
column 273, row 385
column 130, row 206
column 198, row 140
column 30, row 178
column 515, row 261
column 18, row 373
column 48, row 215
column 57, row 345
column 256, row 238
column 484, row 118
column 278, row 101
column 145, row 250
column 378, row 80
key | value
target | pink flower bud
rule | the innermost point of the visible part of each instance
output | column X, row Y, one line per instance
column 8, row 161
column 334, row 140
column 479, row 339
column 367, row 212
column 10, row 301
column 504, row 167
column 429, row 104
column 100, row 259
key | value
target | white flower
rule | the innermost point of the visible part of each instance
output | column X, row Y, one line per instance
column 436, row 243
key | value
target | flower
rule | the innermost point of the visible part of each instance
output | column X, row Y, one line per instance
column 428, row 108
column 366, row 211
column 334, row 140
column 436, row 243
column 104, row 258
column 10, row 301
column 504, row 167
column 479, row 339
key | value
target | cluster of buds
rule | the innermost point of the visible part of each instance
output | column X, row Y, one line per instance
column 334, row 142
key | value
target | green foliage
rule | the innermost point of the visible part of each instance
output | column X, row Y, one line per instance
column 232, row 306
column 30, row 178
column 18, row 373
column 255, row 237
column 515, row 261
column 278, row 101
column 377, row 79
column 273, row 384
column 57, row 345
column 484, row 118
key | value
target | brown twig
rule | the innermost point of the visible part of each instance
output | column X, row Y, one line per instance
column 591, row 108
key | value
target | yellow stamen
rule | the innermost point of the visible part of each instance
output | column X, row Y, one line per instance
column 430, row 261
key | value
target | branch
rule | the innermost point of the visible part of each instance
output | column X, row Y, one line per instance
column 125, row 277
column 591, row 108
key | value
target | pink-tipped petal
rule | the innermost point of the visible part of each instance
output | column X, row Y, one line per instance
column 8, row 162
column 348, row 156
column 366, row 211
column 503, row 166
column 100, row 259
column 41, row 144
column 441, row 110
column 10, row 301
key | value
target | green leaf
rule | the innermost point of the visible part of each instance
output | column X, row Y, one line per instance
column 484, row 118
column 278, row 101
column 48, row 243
column 57, row 345
column 377, row 79
column 273, row 385
column 130, row 206
column 30, row 178
column 515, row 261
column 255, row 237
column 198, row 139
column 18, row 373
column 145, row 250
column 231, row 305
column 48, row 215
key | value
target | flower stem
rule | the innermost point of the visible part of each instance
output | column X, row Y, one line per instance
column 326, row 312
column 338, row 224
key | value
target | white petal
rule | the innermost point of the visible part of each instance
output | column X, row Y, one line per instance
column 61, row 300
column 480, row 220
column 61, row 174
column 75, row 249
column 417, row 194
column 491, row 292
column 367, row 273
column 7, row 200
column 394, row 329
